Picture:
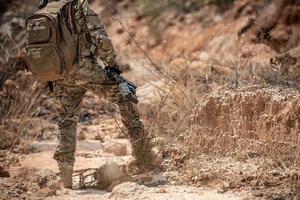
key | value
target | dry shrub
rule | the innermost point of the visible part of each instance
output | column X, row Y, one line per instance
column 19, row 101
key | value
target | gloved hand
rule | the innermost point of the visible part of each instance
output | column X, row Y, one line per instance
column 114, row 69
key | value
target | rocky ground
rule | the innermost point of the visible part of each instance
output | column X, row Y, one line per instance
column 218, row 88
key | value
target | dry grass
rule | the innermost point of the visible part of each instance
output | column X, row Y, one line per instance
column 18, row 107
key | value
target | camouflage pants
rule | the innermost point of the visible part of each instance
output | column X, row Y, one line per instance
column 91, row 77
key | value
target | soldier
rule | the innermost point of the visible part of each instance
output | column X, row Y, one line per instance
column 90, row 76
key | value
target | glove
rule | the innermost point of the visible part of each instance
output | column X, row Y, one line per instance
column 114, row 70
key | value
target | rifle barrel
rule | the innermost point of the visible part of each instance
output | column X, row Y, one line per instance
column 127, row 81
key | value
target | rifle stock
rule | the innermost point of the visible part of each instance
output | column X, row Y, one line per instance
column 127, row 88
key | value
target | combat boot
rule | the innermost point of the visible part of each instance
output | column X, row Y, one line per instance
column 66, row 171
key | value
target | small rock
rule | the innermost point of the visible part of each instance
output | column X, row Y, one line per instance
column 162, row 190
column 81, row 136
column 3, row 172
column 127, row 188
column 99, row 137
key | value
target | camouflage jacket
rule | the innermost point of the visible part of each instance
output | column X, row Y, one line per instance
column 93, row 38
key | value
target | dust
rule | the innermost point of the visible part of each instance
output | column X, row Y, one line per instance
column 103, row 178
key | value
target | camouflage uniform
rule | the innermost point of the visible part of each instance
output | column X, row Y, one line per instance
column 90, row 76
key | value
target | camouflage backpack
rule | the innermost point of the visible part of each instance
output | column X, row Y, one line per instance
column 51, row 41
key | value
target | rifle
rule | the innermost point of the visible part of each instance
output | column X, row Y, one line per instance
column 43, row 3
column 127, row 88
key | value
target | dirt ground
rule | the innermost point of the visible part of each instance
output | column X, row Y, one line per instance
column 218, row 88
